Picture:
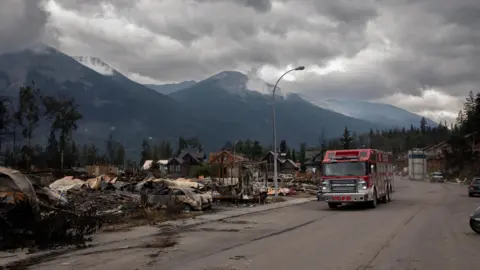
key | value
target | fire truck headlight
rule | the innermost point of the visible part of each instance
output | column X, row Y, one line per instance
column 362, row 185
column 325, row 186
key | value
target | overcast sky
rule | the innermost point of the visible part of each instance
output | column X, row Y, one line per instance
column 423, row 56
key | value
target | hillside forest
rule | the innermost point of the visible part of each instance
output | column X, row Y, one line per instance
column 20, row 119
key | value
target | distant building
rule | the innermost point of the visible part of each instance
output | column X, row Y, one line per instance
column 284, row 166
column 436, row 153
column 183, row 164
column 313, row 160
column 229, row 163
column 162, row 165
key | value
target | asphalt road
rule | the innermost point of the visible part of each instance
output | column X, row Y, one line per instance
column 425, row 227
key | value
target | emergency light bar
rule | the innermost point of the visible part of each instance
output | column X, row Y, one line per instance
column 343, row 158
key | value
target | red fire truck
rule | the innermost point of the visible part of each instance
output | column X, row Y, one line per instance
column 357, row 176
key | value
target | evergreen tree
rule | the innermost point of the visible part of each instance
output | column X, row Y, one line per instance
column 84, row 156
column 156, row 151
column 110, row 148
column 247, row 148
column 289, row 154
column 64, row 115
column 146, row 153
column 182, row 144
column 120, row 155
column 283, row 146
column 301, row 155
column 346, row 139
column 74, row 155
column 28, row 113
column 228, row 146
column 257, row 150
column 423, row 125
column 5, row 116
column 167, row 152
column 92, row 155
column 52, row 151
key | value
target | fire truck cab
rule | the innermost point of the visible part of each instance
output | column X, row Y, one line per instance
column 357, row 176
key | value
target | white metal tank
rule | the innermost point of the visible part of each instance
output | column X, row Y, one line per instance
column 417, row 165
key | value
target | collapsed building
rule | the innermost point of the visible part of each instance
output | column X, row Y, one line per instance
column 38, row 211
column 68, row 210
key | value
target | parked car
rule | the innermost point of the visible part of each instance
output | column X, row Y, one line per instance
column 475, row 220
column 436, row 177
column 192, row 199
column 474, row 187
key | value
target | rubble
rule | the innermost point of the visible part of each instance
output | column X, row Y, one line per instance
column 67, row 211
column 37, row 216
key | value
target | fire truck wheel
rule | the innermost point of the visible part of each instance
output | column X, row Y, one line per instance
column 333, row 205
column 374, row 202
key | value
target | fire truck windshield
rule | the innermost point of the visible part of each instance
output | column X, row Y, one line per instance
column 345, row 169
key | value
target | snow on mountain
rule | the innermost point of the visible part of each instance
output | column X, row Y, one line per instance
column 96, row 64
column 242, row 85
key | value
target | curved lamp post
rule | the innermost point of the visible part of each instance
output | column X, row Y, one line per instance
column 275, row 173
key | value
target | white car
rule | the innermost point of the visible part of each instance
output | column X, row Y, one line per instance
column 436, row 177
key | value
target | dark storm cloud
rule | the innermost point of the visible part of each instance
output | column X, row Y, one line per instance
column 215, row 35
column 93, row 5
column 348, row 11
column 258, row 5
column 440, row 43
column 22, row 23
column 387, row 46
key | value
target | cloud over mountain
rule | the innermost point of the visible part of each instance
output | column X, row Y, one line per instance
column 22, row 24
column 370, row 50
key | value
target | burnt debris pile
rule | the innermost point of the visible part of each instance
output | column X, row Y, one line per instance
column 66, row 212
column 32, row 216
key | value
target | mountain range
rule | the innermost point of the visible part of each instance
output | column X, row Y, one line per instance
column 225, row 107
column 383, row 114
column 170, row 88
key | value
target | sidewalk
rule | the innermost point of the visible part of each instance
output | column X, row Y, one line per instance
column 137, row 233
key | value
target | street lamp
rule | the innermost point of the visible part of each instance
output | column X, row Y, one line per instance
column 275, row 174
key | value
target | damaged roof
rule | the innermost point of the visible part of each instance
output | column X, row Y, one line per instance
column 238, row 157
column 194, row 152
column 177, row 160
column 281, row 160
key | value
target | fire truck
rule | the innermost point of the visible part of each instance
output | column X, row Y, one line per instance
column 357, row 176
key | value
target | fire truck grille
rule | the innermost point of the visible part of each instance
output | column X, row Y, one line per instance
column 344, row 186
